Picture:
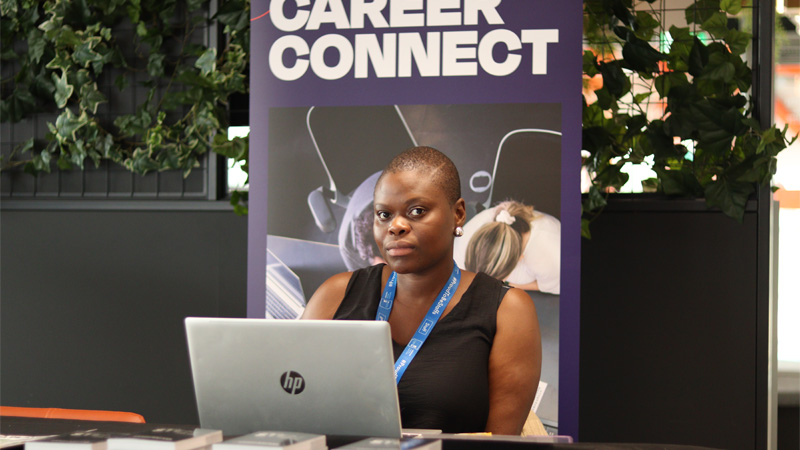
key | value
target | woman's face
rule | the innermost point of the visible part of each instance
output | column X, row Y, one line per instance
column 414, row 222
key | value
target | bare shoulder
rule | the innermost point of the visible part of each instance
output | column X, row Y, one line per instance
column 326, row 300
column 517, row 310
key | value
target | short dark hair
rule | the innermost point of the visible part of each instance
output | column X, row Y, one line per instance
column 432, row 162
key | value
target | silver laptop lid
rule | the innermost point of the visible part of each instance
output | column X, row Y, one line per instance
column 327, row 377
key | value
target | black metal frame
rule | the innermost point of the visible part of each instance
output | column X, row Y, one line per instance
column 766, row 353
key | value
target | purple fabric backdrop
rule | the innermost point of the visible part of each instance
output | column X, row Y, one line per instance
column 305, row 41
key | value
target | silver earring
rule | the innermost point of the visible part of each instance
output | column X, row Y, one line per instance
column 458, row 232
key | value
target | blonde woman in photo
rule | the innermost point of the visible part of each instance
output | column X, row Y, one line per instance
column 514, row 243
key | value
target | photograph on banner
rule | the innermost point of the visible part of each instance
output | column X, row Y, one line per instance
column 323, row 165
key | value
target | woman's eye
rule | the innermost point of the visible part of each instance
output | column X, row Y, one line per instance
column 382, row 215
column 416, row 212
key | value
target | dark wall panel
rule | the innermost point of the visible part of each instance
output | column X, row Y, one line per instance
column 93, row 304
column 788, row 427
column 669, row 328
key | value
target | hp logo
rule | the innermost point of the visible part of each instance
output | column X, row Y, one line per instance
column 292, row 382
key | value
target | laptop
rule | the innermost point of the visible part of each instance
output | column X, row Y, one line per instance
column 326, row 377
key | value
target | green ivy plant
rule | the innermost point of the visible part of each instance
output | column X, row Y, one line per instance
column 65, row 49
column 704, row 141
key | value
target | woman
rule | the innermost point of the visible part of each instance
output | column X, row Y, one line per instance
column 514, row 243
column 479, row 367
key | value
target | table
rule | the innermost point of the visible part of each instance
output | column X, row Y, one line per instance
column 38, row 427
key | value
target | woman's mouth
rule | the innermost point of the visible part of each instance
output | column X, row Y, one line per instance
column 399, row 249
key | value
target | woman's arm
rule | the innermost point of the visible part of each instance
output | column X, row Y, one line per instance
column 326, row 300
column 515, row 363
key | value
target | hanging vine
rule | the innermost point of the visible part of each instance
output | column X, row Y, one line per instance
column 66, row 52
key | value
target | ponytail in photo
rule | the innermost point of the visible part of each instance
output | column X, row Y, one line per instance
column 496, row 247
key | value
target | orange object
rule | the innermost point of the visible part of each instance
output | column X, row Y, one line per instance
column 787, row 69
column 787, row 199
column 75, row 414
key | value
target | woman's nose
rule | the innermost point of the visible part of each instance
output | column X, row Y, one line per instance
column 398, row 226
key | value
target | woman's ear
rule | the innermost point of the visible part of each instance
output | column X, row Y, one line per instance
column 460, row 212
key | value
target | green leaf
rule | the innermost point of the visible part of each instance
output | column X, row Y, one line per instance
column 81, row 77
column 63, row 162
column 678, row 182
column 235, row 148
column 729, row 196
column 141, row 29
column 67, row 124
column 663, row 148
column 701, row 10
column 646, row 25
column 640, row 55
column 635, row 124
column 590, row 63
column 39, row 163
column 718, row 68
column 134, row 9
column 713, row 115
column 61, row 61
column 85, row 54
column 77, row 153
column 679, row 50
column 121, row 82
column 605, row 99
column 755, row 169
column 207, row 62
column 42, row 85
column 585, row 231
column 65, row 37
column 7, row 54
column 141, row 162
column 192, row 78
column 25, row 146
column 717, row 24
column 239, row 202
column 614, row 79
column 738, row 41
column 666, row 81
column 105, row 32
column 612, row 176
column 650, row 185
column 596, row 200
column 595, row 138
column 91, row 97
column 680, row 123
column 731, row 6
column 639, row 98
column 194, row 5
column 698, row 58
column 713, row 144
column 744, row 76
column 36, row 45
column 155, row 64
column 63, row 89
column 233, row 15
column 8, row 8
column 623, row 13
column 53, row 23
column 19, row 104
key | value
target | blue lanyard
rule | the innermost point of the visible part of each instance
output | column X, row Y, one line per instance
column 433, row 316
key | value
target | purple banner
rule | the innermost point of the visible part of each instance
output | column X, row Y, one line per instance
column 339, row 87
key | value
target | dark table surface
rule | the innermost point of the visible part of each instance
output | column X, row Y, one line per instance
column 26, row 426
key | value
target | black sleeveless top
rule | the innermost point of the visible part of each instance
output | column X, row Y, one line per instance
column 446, row 386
